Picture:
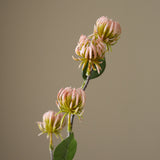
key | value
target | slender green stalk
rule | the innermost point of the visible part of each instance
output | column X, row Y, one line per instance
column 51, row 146
column 69, row 124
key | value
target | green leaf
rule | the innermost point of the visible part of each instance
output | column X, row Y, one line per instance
column 66, row 149
column 94, row 74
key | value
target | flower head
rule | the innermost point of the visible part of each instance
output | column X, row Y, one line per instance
column 108, row 30
column 52, row 123
column 71, row 100
column 91, row 51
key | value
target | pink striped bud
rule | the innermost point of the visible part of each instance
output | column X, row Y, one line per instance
column 90, row 50
column 71, row 100
column 52, row 123
column 108, row 30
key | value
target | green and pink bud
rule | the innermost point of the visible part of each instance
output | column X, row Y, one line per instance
column 90, row 50
column 71, row 100
column 52, row 123
column 108, row 30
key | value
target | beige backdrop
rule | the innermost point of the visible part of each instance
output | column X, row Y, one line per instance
column 122, row 112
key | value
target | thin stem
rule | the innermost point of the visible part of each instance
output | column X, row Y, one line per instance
column 84, row 86
column 51, row 147
column 86, row 83
column 69, row 124
column 51, row 154
column 72, row 118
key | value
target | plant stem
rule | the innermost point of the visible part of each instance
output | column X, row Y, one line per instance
column 69, row 124
column 51, row 153
column 84, row 86
column 51, row 147
column 86, row 83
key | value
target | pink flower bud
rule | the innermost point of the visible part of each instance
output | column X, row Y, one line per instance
column 71, row 100
column 52, row 122
column 108, row 30
column 90, row 50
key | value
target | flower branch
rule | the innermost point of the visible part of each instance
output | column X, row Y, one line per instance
column 90, row 51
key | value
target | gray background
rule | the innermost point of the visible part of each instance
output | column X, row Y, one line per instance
column 122, row 112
